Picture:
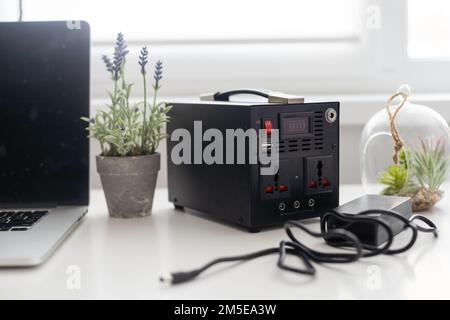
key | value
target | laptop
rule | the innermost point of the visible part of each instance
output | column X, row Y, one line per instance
column 44, row 151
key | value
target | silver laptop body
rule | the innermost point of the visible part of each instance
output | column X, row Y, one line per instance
column 44, row 151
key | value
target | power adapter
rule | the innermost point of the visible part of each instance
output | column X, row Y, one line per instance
column 365, row 227
column 372, row 233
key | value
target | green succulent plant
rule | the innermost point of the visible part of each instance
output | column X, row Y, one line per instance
column 430, row 164
column 424, row 168
column 397, row 181
column 125, row 128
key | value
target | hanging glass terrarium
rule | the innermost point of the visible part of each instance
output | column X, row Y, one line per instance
column 404, row 151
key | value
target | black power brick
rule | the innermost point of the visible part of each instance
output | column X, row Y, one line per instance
column 370, row 233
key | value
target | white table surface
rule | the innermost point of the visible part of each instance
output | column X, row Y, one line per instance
column 110, row 258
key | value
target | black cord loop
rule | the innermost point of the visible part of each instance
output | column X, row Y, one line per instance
column 337, row 237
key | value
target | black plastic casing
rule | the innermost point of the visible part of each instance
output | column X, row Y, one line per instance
column 235, row 193
column 369, row 233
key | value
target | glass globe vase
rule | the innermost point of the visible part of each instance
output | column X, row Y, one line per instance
column 407, row 155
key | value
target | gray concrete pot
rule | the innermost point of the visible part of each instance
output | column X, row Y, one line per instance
column 129, row 184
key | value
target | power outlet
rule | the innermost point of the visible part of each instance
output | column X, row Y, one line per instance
column 278, row 185
column 319, row 174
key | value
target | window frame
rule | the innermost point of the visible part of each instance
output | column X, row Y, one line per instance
column 191, row 65
column 375, row 62
column 424, row 75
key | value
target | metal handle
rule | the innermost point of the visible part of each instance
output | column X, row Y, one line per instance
column 272, row 96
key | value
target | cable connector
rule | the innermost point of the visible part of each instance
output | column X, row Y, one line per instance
column 178, row 277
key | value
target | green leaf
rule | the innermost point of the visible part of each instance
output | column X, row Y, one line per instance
column 397, row 180
column 431, row 164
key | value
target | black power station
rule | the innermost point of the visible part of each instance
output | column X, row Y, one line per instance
column 306, row 184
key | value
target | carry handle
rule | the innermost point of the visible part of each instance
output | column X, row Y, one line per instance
column 272, row 96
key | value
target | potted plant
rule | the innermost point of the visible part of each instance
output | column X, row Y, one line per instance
column 129, row 134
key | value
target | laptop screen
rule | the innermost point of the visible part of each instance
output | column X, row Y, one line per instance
column 44, row 90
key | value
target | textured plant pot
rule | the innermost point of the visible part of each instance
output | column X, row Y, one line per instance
column 129, row 184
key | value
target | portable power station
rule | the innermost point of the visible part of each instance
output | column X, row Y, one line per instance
column 306, row 183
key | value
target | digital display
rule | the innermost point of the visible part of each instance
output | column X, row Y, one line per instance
column 292, row 126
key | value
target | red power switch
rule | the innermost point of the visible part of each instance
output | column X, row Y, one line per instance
column 325, row 183
column 268, row 126
column 282, row 188
column 269, row 189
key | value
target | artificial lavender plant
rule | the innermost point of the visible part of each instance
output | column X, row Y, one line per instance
column 125, row 128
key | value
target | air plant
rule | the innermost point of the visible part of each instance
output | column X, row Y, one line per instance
column 430, row 164
column 125, row 128
column 419, row 174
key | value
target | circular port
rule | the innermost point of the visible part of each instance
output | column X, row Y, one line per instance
column 311, row 202
column 296, row 204
column 282, row 206
column 330, row 115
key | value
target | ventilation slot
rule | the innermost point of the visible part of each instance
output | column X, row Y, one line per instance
column 306, row 144
column 318, row 130
column 282, row 147
column 296, row 145
column 288, row 146
column 293, row 145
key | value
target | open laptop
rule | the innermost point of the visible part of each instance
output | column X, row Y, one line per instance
column 44, row 151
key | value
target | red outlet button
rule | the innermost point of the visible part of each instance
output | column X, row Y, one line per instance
column 269, row 189
column 282, row 188
column 313, row 184
column 325, row 183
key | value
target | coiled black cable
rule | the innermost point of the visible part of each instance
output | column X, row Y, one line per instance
column 336, row 237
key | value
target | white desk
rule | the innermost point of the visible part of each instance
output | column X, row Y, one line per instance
column 123, row 259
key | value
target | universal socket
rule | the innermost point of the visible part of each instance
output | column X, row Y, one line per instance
column 280, row 183
column 319, row 176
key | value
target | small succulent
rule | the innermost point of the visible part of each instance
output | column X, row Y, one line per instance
column 398, row 181
column 125, row 128
column 423, row 169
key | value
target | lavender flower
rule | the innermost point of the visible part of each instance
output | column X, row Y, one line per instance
column 128, row 128
column 120, row 51
column 108, row 64
column 143, row 60
column 158, row 74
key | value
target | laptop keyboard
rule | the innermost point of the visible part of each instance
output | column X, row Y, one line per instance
column 19, row 220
